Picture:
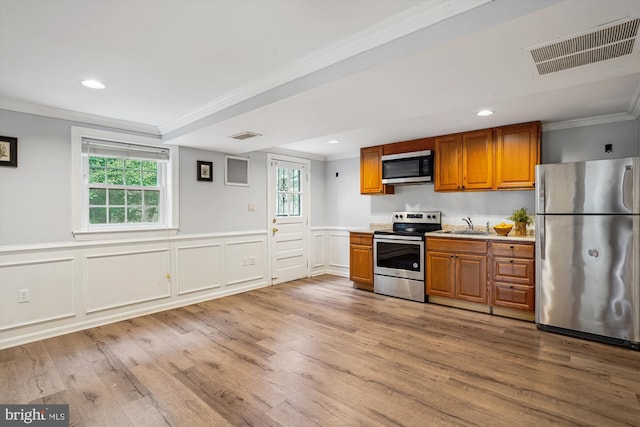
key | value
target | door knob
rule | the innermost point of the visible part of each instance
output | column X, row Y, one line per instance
column 274, row 229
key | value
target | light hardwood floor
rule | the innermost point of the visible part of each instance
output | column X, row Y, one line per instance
column 318, row 352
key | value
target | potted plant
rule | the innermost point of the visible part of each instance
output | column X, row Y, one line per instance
column 521, row 219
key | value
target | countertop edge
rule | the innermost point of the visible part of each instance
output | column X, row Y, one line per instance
column 440, row 234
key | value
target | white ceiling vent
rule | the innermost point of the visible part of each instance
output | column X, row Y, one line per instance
column 600, row 44
column 245, row 135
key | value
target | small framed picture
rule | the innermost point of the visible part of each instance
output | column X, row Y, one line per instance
column 8, row 151
column 205, row 171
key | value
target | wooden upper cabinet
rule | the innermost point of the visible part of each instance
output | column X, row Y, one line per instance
column 464, row 161
column 477, row 160
column 408, row 146
column 517, row 154
column 371, row 171
column 448, row 163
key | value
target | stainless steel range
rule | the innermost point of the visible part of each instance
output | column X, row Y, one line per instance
column 398, row 255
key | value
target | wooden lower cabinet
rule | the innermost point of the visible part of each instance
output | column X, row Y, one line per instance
column 498, row 276
column 361, row 260
column 513, row 275
column 457, row 268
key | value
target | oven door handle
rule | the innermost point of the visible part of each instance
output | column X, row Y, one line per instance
column 393, row 239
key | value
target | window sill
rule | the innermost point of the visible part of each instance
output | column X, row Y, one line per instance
column 134, row 233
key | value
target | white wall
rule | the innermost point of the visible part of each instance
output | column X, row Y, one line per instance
column 207, row 207
column 587, row 142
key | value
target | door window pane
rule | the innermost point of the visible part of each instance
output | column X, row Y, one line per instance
column 288, row 191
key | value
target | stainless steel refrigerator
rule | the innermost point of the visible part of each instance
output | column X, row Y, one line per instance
column 588, row 250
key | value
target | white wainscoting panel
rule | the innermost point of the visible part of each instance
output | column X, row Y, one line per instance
column 198, row 268
column 318, row 255
column 49, row 284
column 339, row 250
column 245, row 260
column 118, row 279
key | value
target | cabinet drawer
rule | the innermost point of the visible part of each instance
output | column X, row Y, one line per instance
column 361, row 239
column 514, row 270
column 457, row 245
column 513, row 296
column 512, row 250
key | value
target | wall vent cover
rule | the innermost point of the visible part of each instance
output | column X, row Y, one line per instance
column 245, row 135
column 601, row 44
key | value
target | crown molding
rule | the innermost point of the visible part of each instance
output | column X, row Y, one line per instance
column 589, row 121
column 409, row 21
column 75, row 116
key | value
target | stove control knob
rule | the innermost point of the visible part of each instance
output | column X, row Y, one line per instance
column 400, row 216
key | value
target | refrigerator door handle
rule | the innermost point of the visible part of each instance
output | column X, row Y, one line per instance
column 540, row 209
column 540, row 190
column 628, row 190
column 542, row 235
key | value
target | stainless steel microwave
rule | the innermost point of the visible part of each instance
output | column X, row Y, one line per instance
column 407, row 168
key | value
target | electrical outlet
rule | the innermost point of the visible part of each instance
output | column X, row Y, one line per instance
column 252, row 260
column 24, row 295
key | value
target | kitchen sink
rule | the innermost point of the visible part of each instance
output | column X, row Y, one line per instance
column 467, row 232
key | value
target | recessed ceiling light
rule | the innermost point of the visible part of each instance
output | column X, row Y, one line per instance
column 93, row 84
column 483, row 113
column 334, row 141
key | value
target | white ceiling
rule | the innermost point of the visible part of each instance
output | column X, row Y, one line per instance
column 303, row 72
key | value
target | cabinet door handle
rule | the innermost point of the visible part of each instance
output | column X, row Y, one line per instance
column 510, row 247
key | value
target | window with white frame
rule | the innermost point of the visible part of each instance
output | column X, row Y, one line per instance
column 123, row 185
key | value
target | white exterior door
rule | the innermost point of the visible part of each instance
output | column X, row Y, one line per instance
column 289, row 217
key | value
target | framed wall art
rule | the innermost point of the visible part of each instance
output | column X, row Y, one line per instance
column 8, row 151
column 205, row 171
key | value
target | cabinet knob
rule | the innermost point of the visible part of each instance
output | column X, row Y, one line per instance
column 511, row 261
column 510, row 247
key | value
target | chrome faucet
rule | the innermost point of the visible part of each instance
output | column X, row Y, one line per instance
column 469, row 222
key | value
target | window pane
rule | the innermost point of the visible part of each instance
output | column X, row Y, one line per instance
column 149, row 179
column 115, row 163
column 116, row 197
column 115, row 176
column 282, row 183
column 134, row 197
column 133, row 164
column 97, row 162
column 295, row 180
column 281, row 203
column 116, row 215
column 149, row 166
column 134, row 215
column 150, row 214
column 134, row 177
column 295, row 204
column 96, row 176
column 97, row 196
column 151, row 198
column 97, row 215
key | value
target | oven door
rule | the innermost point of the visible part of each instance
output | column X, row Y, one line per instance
column 399, row 256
